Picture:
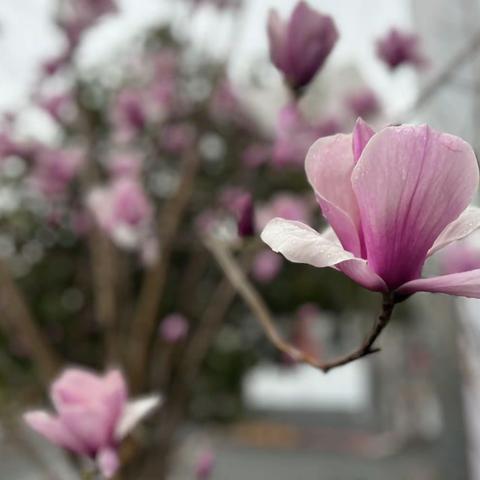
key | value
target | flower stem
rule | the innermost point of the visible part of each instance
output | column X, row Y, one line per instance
column 367, row 347
column 247, row 291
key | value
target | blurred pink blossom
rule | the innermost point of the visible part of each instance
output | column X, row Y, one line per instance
column 295, row 134
column 284, row 205
column 11, row 147
column 363, row 103
column 256, row 154
column 178, row 137
column 220, row 4
column 398, row 48
column 266, row 266
column 129, row 113
column 76, row 16
column 460, row 256
column 123, row 211
column 205, row 465
column 93, row 415
column 125, row 164
column 299, row 47
column 174, row 327
column 303, row 336
column 60, row 107
column 224, row 104
column 55, row 168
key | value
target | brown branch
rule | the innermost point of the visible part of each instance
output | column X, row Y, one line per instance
column 194, row 355
column 145, row 317
column 22, row 323
column 104, row 272
column 251, row 297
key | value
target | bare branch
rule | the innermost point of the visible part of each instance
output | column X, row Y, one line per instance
column 145, row 318
column 251, row 297
column 103, row 264
column 444, row 75
column 21, row 321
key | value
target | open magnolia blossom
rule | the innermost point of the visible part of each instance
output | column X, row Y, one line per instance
column 392, row 199
column 93, row 415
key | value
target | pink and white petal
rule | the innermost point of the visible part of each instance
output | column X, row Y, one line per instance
column 329, row 165
column 54, row 430
column 75, row 386
column 362, row 133
column 464, row 284
column 464, row 225
column 90, row 424
column 134, row 412
column 410, row 183
column 108, row 462
column 300, row 243
column 359, row 271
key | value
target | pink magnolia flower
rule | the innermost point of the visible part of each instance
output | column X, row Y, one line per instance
column 300, row 47
column 392, row 198
column 123, row 211
column 76, row 16
column 246, row 217
column 174, row 327
column 461, row 256
column 284, row 205
column 399, row 48
column 363, row 103
column 266, row 266
column 239, row 203
column 205, row 465
column 125, row 164
column 294, row 135
column 11, row 147
column 53, row 65
column 55, row 169
column 60, row 107
column 93, row 415
column 129, row 113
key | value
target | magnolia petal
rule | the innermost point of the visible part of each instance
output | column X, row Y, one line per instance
column 410, row 183
column 299, row 243
column 359, row 271
column 134, row 412
column 310, row 38
column 54, row 430
column 329, row 165
column 362, row 133
column 464, row 225
column 276, row 32
column 464, row 284
column 91, row 424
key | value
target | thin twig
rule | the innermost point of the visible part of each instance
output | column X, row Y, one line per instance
column 445, row 74
column 20, row 319
column 145, row 317
column 251, row 297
